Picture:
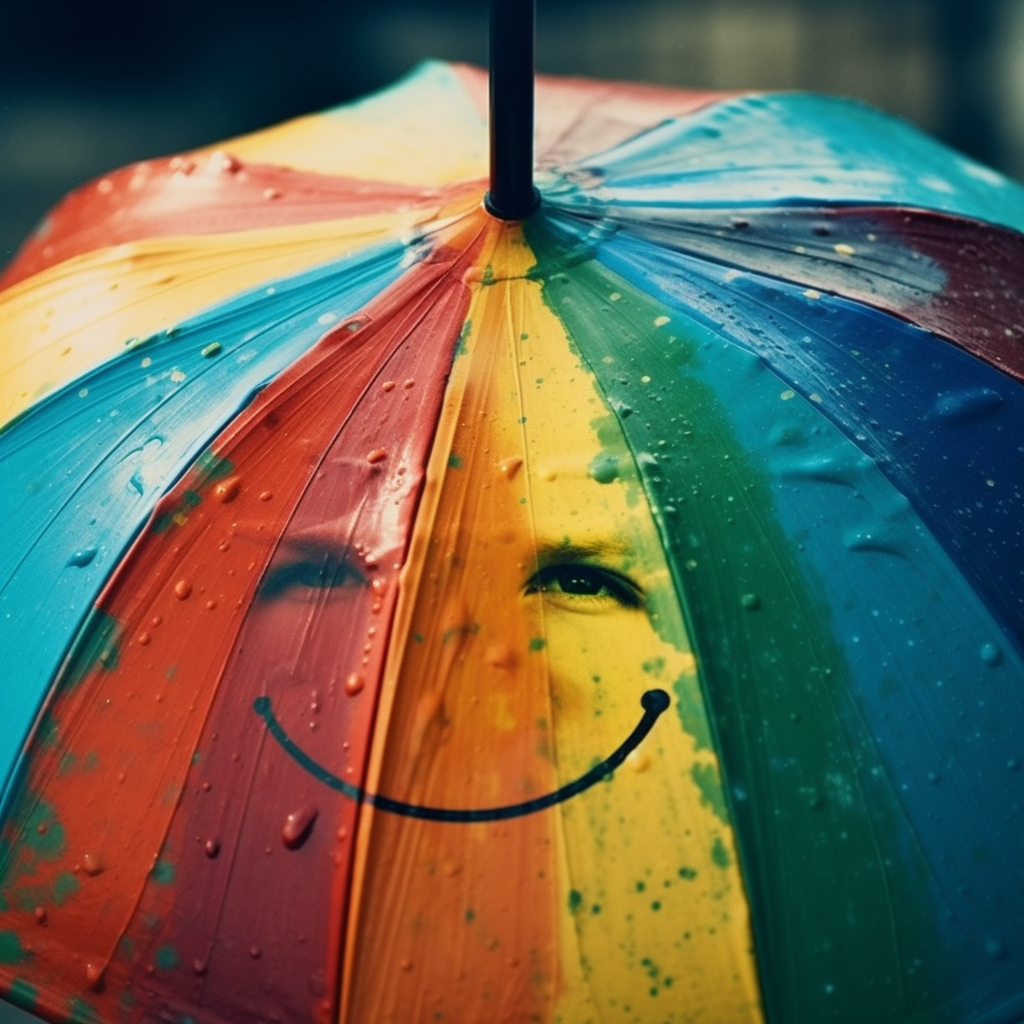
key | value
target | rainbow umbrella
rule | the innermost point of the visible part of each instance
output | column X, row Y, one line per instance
column 415, row 611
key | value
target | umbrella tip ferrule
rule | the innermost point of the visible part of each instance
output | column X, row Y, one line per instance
column 521, row 208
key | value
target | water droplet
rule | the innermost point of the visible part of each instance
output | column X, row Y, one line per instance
column 501, row 656
column 91, row 864
column 604, row 468
column 94, row 975
column 82, row 557
column 388, row 385
column 223, row 163
column 211, row 848
column 638, row 760
column 266, row 495
column 991, row 654
column 970, row 406
column 354, row 684
column 182, row 590
column 995, row 948
column 144, row 639
column 255, row 952
column 199, row 966
column 873, row 538
column 405, row 963
column 298, row 825
column 750, row 601
column 408, row 383
column 510, row 467
column 377, row 455
column 934, row 778
column 271, row 193
column 40, row 915
column 210, row 350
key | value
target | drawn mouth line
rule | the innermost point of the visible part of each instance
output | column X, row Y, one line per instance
column 654, row 702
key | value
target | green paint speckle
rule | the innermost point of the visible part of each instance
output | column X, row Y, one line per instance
column 67, row 762
column 706, row 779
column 719, row 854
column 165, row 958
column 163, row 872
column 11, row 949
column 95, row 649
column 687, row 873
column 454, row 461
column 656, row 905
column 537, row 643
column 690, row 710
column 470, row 915
column 65, row 885
column 596, row 908
column 22, row 994
column 575, row 900
column 417, row 638
column 43, row 833
column 210, row 466
column 80, row 1012
column 654, row 667
column 640, row 886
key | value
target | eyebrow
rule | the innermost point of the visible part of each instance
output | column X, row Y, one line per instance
column 292, row 551
column 553, row 553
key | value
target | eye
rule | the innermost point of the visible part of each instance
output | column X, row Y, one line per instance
column 326, row 572
column 584, row 585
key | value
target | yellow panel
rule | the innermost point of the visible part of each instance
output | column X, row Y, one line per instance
column 424, row 130
column 625, row 902
column 77, row 315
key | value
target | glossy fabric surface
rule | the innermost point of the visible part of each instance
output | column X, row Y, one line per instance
column 332, row 501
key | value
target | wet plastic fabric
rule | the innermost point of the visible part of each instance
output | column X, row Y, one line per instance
column 616, row 617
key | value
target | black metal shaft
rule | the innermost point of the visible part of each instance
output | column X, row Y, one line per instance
column 512, row 195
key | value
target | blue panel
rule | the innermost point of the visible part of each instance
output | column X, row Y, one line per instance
column 791, row 148
column 83, row 469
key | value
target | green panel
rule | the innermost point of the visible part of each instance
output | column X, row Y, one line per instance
column 843, row 926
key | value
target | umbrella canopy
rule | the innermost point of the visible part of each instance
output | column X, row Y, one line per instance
column 618, row 616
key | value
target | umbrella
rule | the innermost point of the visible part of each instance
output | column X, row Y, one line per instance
column 424, row 609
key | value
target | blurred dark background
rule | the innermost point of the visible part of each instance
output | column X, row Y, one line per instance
column 88, row 87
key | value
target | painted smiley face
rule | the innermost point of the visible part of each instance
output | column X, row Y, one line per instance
column 535, row 610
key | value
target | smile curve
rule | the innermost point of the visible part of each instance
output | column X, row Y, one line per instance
column 653, row 702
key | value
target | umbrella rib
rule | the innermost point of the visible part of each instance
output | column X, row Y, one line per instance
column 653, row 702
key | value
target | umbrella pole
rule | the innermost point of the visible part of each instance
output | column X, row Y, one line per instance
column 512, row 195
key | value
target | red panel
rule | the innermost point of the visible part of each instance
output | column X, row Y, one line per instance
column 202, row 195
column 205, row 862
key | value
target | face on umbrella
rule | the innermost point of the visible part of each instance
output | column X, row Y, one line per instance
column 609, row 618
